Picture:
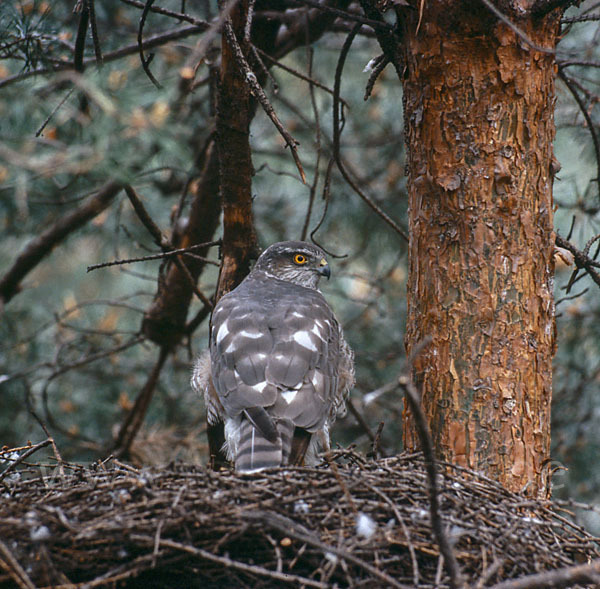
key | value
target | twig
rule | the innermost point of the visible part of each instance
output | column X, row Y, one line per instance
column 259, row 94
column 326, row 198
column 360, row 420
column 15, row 570
column 164, row 243
column 146, row 62
column 319, row 149
column 290, row 528
column 94, row 29
column 296, row 73
column 135, row 418
column 566, row 577
column 54, row 111
column 22, row 457
column 582, row 260
column 414, row 401
column 336, row 137
column 380, row 63
column 515, row 29
column 181, row 16
column 411, row 548
column 162, row 522
column 351, row 16
column 234, row 564
column 377, row 441
column 57, row 455
column 146, row 219
column 167, row 254
column 155, row 41
column 588, row 119
column 78, row 63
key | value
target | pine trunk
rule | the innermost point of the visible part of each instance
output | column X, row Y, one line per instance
column 479, row 124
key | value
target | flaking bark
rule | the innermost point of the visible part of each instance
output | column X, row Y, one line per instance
column 479, row 122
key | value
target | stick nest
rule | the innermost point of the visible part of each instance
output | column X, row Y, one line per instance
column 362, row 523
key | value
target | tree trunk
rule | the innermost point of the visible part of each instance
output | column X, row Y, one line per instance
column 479, row 125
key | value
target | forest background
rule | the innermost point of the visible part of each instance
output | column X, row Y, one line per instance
column 72, row 355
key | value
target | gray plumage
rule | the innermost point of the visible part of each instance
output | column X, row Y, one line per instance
column 280, row 368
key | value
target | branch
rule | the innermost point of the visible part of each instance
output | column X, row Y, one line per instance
column 41, row 246
column 94, row 29
column 290, row 528
column 181, row 16
column 146, row 62
column 146, row 219
column 337, row 132
column 588, row 119
column 566, row 577
column 155, row 41
column 582, row 260
column 295, row 73
column 374, row 23
column 162, row 256
column 227, row 562
column 414, row 401
column 23, row 456
column 135, row 417
column 259, row 94
column 389, row 43
column 15, row 570
column 515, row 29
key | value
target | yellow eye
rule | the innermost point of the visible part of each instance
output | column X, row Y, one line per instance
column 300, row 259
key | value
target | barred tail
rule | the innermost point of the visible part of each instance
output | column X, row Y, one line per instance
column 255, row 452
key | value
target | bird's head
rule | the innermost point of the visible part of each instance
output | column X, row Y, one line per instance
column 294, row 261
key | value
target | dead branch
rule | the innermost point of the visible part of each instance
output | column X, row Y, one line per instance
column 569, row 83
column 14, row 463
column 135, row 417
column 581, row 259
column 165, row 321
column 155, row 41
column 259, row 94
column 41, row 246
column 566, row 577
column 337, row 132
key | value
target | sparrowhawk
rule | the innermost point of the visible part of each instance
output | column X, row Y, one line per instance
column 279, row 369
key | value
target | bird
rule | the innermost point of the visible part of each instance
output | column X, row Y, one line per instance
column 278, row 370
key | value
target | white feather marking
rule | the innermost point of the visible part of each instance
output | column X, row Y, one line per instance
column 260, row 386
column 232, row 436
column 250, row 334
column 252, row 450
column 315, row 329
column 223, row 331
column 299, row 315
column 317, row 381
column 231, row 347
column 289, row 396
column 303, row 338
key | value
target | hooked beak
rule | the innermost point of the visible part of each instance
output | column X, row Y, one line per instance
column 324, row 269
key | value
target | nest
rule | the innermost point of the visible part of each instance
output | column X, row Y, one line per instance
column 360, row 523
